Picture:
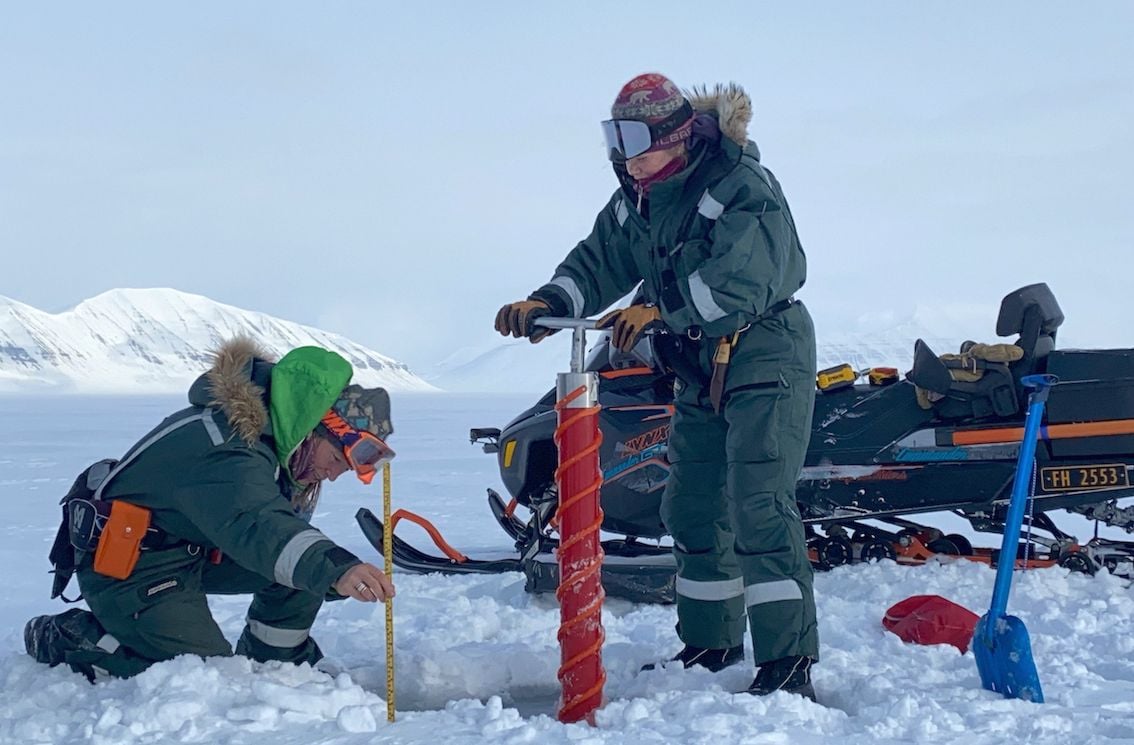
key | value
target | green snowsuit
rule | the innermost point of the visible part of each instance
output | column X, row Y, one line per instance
column 716, row 250
column 214, row 476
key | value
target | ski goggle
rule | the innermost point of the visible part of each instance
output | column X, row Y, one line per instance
column 629, row 138
column 626, row 138
column 365, row 452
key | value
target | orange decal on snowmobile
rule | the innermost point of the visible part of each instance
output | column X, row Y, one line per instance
column 1001, row 435
column 612, row 374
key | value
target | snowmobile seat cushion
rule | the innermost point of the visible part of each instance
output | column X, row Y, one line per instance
column 931, row 619
column 975, row 384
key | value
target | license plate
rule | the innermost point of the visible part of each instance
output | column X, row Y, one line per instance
column 1073, row 478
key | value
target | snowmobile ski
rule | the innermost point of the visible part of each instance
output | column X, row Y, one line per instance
column 410, row 558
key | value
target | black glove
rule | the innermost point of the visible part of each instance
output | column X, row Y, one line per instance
column 628, row 324
column 518, row 319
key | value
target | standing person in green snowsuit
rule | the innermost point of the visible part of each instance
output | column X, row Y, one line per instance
column 230, row 483
column 705, row 227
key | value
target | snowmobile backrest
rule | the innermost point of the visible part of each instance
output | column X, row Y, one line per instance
column 1015, row 305
column 1033, row 313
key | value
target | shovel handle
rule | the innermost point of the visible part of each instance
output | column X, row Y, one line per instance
column 1041, row 386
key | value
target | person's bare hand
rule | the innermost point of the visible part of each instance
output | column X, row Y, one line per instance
column 365, row 582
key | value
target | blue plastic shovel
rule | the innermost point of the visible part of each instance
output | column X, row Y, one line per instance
column 1001, row 645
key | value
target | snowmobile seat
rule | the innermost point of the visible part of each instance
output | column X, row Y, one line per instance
column 960, row 387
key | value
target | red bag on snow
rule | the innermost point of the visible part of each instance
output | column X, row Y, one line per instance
column 931, row 619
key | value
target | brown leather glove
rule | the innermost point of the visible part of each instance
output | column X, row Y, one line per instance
column 628, row 324
column 517, row 319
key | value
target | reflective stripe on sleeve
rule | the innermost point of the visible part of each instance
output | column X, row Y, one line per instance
column 569, row 286
column 274, row 636
column 211, row 427
column 108, row 644
column 622, row 212
column 772, row 592
column 703, row 298
column 292, row 552
column 97, row 474
column 709, row 207
column 721, row 589
column 143, row 447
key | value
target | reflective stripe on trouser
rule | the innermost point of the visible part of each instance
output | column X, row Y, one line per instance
column 177, row 620
column 710, row 591
column 279, row 620
column 730, row 501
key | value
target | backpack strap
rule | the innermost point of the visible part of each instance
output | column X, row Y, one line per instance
column 91, row 484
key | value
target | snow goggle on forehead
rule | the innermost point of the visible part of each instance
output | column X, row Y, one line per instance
column 365, row 452
column 629, row 138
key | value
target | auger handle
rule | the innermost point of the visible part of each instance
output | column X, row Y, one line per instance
column 579, row 328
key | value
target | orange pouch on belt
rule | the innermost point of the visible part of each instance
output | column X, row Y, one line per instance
column 121, row 540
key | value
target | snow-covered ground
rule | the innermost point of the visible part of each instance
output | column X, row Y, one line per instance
column 476, row 656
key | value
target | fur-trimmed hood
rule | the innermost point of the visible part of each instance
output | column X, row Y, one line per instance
column 732, row 106
column 303, row 386
column 234, row 383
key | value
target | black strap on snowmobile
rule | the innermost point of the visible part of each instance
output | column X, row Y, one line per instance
column 969, row 364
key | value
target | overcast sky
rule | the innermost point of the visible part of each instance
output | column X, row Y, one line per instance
column 397, row 171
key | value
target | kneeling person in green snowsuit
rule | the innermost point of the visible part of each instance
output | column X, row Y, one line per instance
column 705, row 228
column 230, row 483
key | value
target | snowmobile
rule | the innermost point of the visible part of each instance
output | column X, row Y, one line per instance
column 883, row 448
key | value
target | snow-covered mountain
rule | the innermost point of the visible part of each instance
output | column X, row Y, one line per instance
column 155, row 341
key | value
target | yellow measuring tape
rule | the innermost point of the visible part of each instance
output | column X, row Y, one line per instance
column 388, row 555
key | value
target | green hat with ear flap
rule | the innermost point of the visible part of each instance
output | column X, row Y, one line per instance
column 305, row 384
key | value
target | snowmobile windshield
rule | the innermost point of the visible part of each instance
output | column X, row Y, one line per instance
column 604, row 356
column 599, row 356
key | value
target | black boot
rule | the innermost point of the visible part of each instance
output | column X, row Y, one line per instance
column 713, row 660
column 49, row 639
column 249, row 646
column 791, row 674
